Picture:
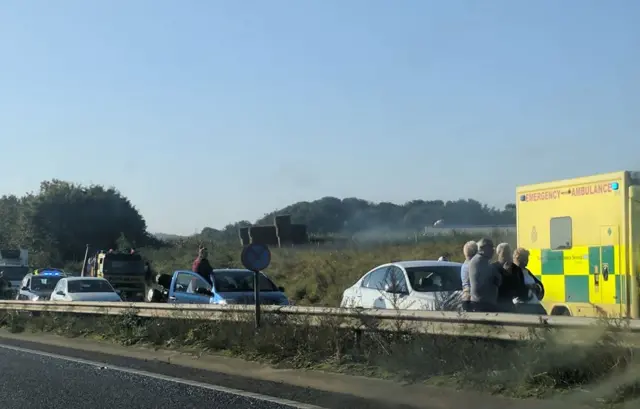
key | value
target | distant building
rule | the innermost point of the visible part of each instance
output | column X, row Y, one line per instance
column 442, row 229
column 281, row 233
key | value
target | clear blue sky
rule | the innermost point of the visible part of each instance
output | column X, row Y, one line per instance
column 279, row 101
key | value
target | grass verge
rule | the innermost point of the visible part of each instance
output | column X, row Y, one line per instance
column 541, row 366
column 315, row 275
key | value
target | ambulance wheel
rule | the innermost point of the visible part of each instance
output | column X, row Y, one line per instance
column 561, row 310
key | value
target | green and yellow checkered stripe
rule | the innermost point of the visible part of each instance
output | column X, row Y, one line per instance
column 568, row 275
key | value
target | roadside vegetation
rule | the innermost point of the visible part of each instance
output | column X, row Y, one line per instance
column 542, row 365
column 56, row 222
column 314, row 275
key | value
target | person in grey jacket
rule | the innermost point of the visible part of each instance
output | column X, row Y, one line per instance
column 469, row 250
column 484, row 279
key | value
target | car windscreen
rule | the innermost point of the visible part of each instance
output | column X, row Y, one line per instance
column 435, row 278
column 239, row 281
column 89, row 286
column 124, row 264
column 14, row 273
column 44, row 283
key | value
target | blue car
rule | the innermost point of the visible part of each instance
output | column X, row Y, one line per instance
column 230, row 286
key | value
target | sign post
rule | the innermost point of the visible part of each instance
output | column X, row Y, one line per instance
column 256, row 257
column 84, row 263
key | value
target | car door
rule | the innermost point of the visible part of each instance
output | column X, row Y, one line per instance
column 352, row 296
column 371, row 286
column 23, row 291
column 60, row 287
column 183, row 288
column 395, row 292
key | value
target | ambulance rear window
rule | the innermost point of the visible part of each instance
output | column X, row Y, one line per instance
column 560, row 230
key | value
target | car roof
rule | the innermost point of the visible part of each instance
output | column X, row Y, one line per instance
column 219, row 270
column 231, row 270
column 425, row 263
column 85, row 278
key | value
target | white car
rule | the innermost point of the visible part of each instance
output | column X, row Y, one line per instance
column 408, row 285
column 84, row 289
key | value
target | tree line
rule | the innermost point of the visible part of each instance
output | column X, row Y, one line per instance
column 57, row 222
column 331, row 215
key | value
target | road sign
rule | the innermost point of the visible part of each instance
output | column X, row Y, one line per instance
column 256, row 257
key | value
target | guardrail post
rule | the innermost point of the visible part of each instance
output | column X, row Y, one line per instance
column 357, row 339
column 256, row 295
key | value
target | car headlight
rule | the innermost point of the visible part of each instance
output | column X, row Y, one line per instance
column 222, row 302
column 35, row 298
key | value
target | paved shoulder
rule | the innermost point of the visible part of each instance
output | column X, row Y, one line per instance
column 36, row 380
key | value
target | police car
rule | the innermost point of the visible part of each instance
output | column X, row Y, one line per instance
column 39, row 285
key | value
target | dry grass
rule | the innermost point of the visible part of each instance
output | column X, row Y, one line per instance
column 316, row 275
column 604, row 372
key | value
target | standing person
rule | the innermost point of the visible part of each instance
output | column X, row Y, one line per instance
column 202, row 266
column 5, row 285
column 512, row 285
column 533, row 284
column 484, row 279
column 444, row 257
column 469, row 250
column 148, row 272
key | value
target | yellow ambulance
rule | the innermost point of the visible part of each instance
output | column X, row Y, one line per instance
column 584, row 239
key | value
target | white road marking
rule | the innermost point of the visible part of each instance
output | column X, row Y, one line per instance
column 237, row 392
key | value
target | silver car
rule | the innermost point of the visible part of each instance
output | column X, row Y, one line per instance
column 84, row 289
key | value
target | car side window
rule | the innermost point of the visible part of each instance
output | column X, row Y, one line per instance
column 197, row 282
column 395, row 279
column 58, row 286
column 182, row 282
column 188, row 283
column 375, row 279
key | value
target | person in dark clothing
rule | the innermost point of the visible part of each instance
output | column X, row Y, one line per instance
column 513, row 285
column 201, row 265
column 5, row 286
column 148, row 272
column 534, row 285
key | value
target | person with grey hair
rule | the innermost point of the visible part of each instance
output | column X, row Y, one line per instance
column 469, row 250
column 512, row 284
column 535, row 286
column 484, row 279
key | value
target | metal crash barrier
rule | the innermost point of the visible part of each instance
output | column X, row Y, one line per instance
column 497, row 326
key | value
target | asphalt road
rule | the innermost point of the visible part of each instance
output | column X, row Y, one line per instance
column 30, row 380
